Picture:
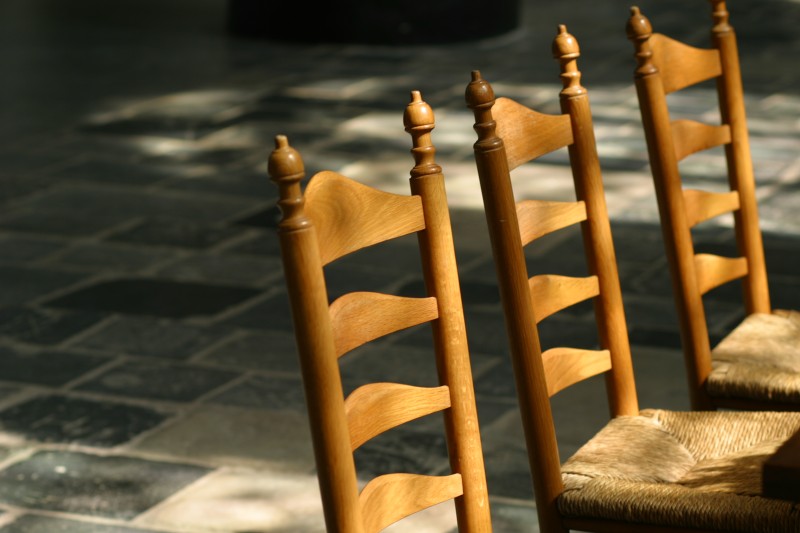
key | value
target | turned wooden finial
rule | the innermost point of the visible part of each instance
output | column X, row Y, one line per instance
column 567, row 51
column 419, row 122
column 720, row 15
column 286, row 170
column 639, row 31
column 480, row 98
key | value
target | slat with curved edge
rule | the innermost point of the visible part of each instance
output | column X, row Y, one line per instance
column 551, row 293
column 703, row 205
column 360, row 317
column 528, row 134
column 540, row 217
column 690, row 136
column 566, row 366
column 716, row 270
column 377, row 407
column 348, row 215
column 391, row 497
column 682, row 65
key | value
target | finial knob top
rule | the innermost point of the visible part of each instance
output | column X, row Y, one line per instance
column 418, row 113
column 638, row 26
column 284, row 161
column 565, row 46
column 479, row 92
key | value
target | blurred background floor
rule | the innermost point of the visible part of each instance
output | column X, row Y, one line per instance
column 147, row 367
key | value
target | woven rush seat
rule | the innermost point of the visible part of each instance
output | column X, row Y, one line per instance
column 759, row 359
column 681, row 469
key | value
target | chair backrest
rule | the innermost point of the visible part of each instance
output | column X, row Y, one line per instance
column 334, row 217
column 510, row 134
column 665, row 65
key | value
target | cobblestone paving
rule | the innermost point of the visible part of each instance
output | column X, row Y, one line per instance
column 147, row 366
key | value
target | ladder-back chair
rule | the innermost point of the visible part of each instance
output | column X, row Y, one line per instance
column 650, row 470
column 757, row 364
column 334, row 217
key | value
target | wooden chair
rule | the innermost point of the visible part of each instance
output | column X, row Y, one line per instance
column 649, row 470
column 757, row 365
column 334, row 217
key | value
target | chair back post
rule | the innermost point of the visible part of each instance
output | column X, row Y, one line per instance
column 740, row 164
column 315, row 342
column 449, row 333
column 674, row 224
column 526, row 353
column 596, row 228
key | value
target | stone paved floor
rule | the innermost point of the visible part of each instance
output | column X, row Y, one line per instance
column 149, row 381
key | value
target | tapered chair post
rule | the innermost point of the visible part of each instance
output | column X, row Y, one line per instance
column 515, row 294
column 674, row 226
column 315, row 342
column 596, row 228
column 450, row 337
column 731, row 94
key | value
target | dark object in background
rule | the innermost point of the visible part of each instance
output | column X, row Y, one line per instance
column 369, row 22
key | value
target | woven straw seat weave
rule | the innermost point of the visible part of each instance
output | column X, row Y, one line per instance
column 683, row 469
column 759, row 359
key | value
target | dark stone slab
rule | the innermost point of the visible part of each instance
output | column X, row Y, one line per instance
column 157, row 380
column 266, row 218
column 44, row 326
column 99, row 171
column 48, row 367
column 381, row 361
column 265, row 243
column 251, row 185
column 265, row 392
column 152, row 337
column 15, row 187
column 272, row 313
column 18, row 284
column 170, row 299
column 270, row 351
column 137, row 203
column 73, row 420
column 21, row 249
column 241, row 270
column 71, row 224
column 45, row 524
column 96, row 257
column 113, row 487
column 172, row 231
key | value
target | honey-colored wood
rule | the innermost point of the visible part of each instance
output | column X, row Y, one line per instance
column 377, row 407
column 663, row 66
column 503, row 129
column 336, row 216
column 691, row 136
column 567, row 366
column 360, row 317
column 704, row 205
column 552, row 293
column 392, row 497
column 537, row 218
column 715, row 270
column 687, row 65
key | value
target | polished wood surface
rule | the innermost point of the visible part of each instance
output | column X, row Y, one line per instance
column 334, row 217
column 663, row 66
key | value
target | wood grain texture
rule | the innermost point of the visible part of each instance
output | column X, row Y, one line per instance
column 567, row 366
column 691, row 136
column 682, row 65
column 359, row 317
column 551, row 293
column 529, row 134
column 537, row 218
column 715, row 270
column 705, row 205
column 377, row 407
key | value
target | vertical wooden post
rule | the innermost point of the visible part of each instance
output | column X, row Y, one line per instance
column 597, row 238
column 512, row 275
column 674, row 225
column 318, row 360
column 740, row 164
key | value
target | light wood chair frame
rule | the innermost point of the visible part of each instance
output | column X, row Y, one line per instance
column 336, row 216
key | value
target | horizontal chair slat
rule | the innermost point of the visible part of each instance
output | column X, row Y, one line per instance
column 703, row 205
column 715, row 270
column 682, row 65
column 551, row 293
column 540, row 217
column 528, row 134
column 565, row 366
column 377, row 407
column 690, row 136
column 388, row 498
